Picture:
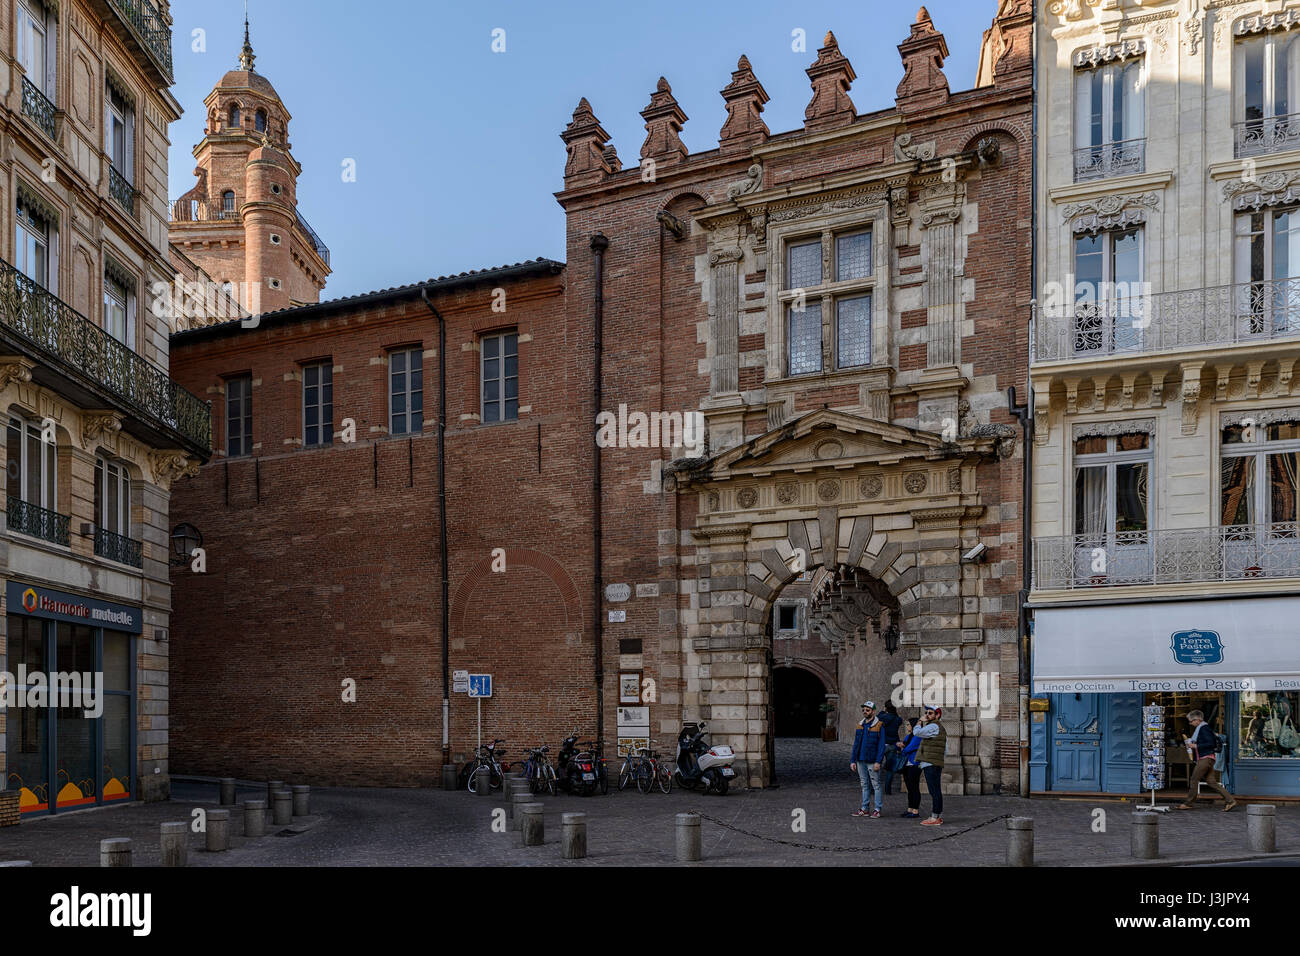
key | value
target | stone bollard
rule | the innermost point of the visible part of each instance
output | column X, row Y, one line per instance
column 532, row 826
column 271, row 787
column 449, row 776
column 218, row 830
column 1261, row 827
column 254, row 818
column 483, row 782
column 282, row 814
column 301, row 800
column 688, row 838
column 1146, row 836
column 573, row 836
column 1020, row 841
column 175, row 849
column 517, row 800
column 227, row 791
column 115, row 852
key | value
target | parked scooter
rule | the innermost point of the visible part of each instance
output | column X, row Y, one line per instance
column 699, row 765
column 581, row 771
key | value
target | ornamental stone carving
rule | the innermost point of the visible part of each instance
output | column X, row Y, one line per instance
column 712, row 501
column 852, row 201
column 1069, row 9
column 871, row 486
column 1193, row 28
column 752, row 183
column 733, row 254
column 904, row 149
column 96, row 425
column 1110, row 212
column 954, row 480
column 1128, row 426
column 788, row 492
column 747, row 498
column 1109, row 53
column 1261, row 418
column 828, row 450
column 171, row 466
column 12, row 372
column 915, row 482
column 1270, row 189
column 1267, row 22
column 828, row 489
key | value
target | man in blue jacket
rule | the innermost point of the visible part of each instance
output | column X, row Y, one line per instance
column 868, row 751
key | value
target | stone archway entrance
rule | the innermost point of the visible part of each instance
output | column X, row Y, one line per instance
column 797, row 698
column 881, row 510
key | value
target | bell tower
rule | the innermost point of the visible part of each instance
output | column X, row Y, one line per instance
column 240, row 222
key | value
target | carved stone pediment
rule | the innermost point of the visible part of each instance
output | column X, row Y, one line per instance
column 170, row 465
column 97, row 425
column 830, row 440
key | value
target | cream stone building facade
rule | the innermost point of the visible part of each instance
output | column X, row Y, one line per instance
column 1167, row 430
column 96, row 431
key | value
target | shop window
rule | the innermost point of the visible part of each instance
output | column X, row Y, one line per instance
column 499, row 377
column 405, row 392
column 239, row 416
column 1269, row 725
column 318, row 404
column 1109, row 292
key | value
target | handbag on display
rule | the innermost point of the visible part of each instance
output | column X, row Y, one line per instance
column 1287, row 738
column 1272, row 727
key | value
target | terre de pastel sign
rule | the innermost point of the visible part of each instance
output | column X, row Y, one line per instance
column 1197, row 647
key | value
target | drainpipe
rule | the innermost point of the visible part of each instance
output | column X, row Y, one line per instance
column 599, row 243
column 442, row 523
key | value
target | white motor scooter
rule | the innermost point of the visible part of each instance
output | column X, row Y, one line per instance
column 699, row 765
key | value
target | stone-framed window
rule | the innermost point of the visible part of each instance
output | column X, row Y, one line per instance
column 1259, row 458
column 112, row 496
column 1266, row 264
column 405, row 391
column 1266, row 85
column 318, row 404
column 1109, row 116
column 499, row 377
column 32, row 464
column 1112, row 490
column 36, row 30
column 1109, row 294
column 828, row 293
column 119, row 302
column 789, row 619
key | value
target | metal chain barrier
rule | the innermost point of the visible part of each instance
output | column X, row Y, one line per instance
column 850, row 849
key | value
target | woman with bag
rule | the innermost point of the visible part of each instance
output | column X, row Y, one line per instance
column 907, row 749
column 1203, row 744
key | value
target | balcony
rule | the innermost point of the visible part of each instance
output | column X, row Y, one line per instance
column 91, row 363
column 1250, row 312
column 141, row 25
column 1273, row 134
column 120, row 188
column 38, row 107
column 27, row 518
column 119, row 548
column 202, row 210
column 1185, row 556
column 1123, row 158
column 322, row 250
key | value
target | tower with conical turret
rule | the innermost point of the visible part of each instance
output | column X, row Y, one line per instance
column 240, row 223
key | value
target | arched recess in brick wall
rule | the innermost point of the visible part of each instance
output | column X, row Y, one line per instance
column 521, row 557
column 815, row 667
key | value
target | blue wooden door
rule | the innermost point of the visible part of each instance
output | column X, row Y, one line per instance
column 1076, row 742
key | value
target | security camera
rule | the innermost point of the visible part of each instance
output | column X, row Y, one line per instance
column 976, row 553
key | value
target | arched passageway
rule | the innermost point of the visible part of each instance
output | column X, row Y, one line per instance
column 798, row 696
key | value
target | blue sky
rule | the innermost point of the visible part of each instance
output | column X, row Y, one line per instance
column 457, row 148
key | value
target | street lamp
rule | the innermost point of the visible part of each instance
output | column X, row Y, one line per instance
column 891, row 637
column 185, row 538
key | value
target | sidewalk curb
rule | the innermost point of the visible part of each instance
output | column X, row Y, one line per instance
column 1199, row 861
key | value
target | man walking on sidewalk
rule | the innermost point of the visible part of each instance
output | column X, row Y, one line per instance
column 1203, row 743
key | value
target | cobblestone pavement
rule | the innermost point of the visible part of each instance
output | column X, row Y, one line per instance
column 399, row 827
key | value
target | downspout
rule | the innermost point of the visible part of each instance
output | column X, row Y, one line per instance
column 1025, row 414
column 599, row 243
column 442, row 523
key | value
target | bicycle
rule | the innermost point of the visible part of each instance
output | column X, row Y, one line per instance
column 660, row 774
column 538, row 771
column 635, row 767
column 488, row 756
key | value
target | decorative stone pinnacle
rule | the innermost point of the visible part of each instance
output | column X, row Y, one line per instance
column 663, row 122
column 831, row 74
column 744, row 97
column 586, row 141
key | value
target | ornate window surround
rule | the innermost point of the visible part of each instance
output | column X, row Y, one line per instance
column 1260, row 23
column 1279, row 188
column 1090, row 57
column 1116, row 211
column 818, row 216
column 1110, row 428
column 1113, row 427
column 1262, row 416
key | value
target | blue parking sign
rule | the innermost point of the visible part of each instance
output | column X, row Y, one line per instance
column 480, row 685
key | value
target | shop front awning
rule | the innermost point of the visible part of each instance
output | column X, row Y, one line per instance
column 1250, row 644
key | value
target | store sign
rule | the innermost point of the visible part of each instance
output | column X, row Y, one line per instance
column 34, row 601
column 1197, row 647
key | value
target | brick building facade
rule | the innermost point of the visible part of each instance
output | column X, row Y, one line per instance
column 845, row 305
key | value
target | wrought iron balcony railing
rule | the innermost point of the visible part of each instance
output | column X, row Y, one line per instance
column 151, row 30
column 322, row 250
column 1110, row 159
column 27, row 518
column 57, row 332
column 118, row 548
column 38, row 106
column 1167, row 321
column 120, row 188
column 1184, row 556
column 202, row 210
column 1273, row 134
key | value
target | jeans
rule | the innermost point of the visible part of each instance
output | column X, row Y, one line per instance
column 912, row 777
column 870, row 783
column 933, row 781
